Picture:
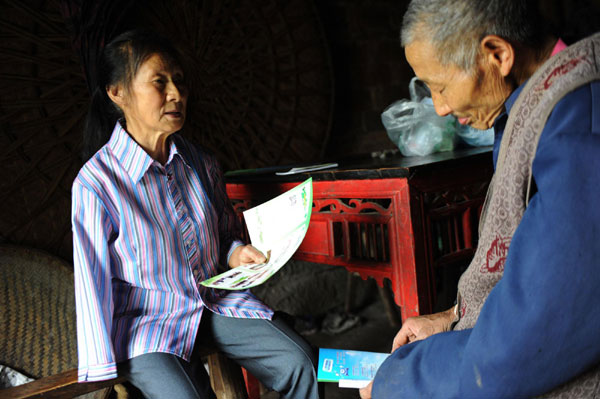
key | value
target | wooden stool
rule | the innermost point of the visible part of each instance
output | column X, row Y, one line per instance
column 226, row 377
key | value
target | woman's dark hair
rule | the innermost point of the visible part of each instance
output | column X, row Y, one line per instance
column 119, row 62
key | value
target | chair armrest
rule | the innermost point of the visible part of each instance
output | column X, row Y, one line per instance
column 63, row 385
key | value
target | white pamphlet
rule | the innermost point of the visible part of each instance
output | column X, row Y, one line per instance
column 276, row 228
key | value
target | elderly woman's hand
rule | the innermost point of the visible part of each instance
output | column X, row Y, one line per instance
column 421, row 327
column 244, row 255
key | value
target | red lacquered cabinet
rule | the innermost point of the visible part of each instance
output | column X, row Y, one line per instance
column 400, row 218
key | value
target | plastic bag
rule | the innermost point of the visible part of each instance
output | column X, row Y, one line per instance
column 414, row 126
column 475, row 137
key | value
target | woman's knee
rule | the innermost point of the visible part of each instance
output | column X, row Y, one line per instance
column 300, row 362
column 295, row 376
column 160, row 375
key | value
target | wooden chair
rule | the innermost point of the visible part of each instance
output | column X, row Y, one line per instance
column 37, row 314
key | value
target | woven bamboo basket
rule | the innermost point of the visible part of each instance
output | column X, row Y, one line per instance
column 261, row 93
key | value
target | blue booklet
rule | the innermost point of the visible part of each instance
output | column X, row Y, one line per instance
column 350, row 369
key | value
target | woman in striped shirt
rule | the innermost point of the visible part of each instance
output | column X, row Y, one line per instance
column 151, row 220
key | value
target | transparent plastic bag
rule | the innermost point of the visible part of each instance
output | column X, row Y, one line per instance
column 475, row 137
column 414, row 126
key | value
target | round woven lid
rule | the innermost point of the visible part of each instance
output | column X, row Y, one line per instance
column 261, row 94
column 37, row 312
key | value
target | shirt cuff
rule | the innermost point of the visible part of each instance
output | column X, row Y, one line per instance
column 97, row 373
column 234, row 245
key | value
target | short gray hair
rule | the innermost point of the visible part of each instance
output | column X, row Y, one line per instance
column 455, row 27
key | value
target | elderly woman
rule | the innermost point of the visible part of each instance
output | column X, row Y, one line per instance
column 151, row 220
column 526, row 321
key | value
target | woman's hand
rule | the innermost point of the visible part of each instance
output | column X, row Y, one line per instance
column 421, row 327
column 365, row 393
column 244, row 255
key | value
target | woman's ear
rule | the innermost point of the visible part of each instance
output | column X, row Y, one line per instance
column 116, row 94
column 498, row 52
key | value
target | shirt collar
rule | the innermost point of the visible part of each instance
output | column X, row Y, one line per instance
column 132, row 156
column 178, row 148
column 558, row 47
column 500, row 122
column 510, row 101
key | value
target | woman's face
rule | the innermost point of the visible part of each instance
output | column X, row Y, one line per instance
column 474, row 99
column 155, row 103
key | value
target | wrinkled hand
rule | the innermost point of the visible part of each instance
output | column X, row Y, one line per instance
column 244, row 255
column 421, row 327
column 365, row 393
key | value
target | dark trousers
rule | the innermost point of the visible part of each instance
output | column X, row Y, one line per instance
column 270, row 350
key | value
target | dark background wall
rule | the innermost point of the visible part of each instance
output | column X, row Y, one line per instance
column 321, row 90
column 370, row 71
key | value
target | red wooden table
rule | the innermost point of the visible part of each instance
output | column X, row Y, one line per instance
column 399, row 218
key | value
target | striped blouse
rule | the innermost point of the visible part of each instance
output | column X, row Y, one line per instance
column 144, row 236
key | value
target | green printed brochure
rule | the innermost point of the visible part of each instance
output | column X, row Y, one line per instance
column 276, row 228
